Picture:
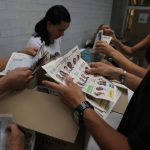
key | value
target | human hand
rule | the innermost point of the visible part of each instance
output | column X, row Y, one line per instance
column 104, row 69
column 15, row 138
column 103, row 26
column 109, row 32
column 106, row 62
column 71, row 93
column 18, row 78
column 30, row 51
column 105, row 48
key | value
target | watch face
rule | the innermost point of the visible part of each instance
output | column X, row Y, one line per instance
column 76, row 117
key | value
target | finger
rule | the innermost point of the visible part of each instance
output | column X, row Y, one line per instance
column 12, row 128
column 69, row 81
column 98, row 42
column 34, row 51
column 31, row 51
column 29, row 72
column 53, row 85
column 92, row 71
column 92, row 64
column 22, row 68
column 95, row 65
column 29, row 78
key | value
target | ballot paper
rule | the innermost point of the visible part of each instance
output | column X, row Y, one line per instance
column 18, row 60
column 101, row 37
column 102, row 93
column 98, row 38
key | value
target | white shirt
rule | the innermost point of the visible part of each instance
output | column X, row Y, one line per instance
column 52, row 48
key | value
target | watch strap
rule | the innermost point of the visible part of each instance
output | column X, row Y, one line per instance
column 80, row 109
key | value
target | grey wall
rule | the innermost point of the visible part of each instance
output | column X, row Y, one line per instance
column 18, row 18
column 118, row 17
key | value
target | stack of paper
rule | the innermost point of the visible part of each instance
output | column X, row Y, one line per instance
column 18, row 60
column 102, row 93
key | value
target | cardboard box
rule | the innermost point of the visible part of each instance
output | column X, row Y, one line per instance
column 122, row 103
column 47, row 115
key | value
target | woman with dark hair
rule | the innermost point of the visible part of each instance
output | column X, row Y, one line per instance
column 50, row 29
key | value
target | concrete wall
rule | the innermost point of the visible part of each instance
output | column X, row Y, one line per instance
column 18, row 18
column 118, row 16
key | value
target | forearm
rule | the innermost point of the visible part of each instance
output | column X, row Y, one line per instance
column 130, row 80
column 106, row 136
column 3, row 62
column 4, row 85
column 120, row 46
column 16, row 148
column 127, row 65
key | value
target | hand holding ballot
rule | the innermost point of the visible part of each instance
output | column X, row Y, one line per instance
column 18, row 78
column 103, row 69
column 29, row 57
column 105, row 48
column 72, row 100
column 15, row 79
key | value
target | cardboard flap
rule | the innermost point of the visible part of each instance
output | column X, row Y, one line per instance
column 41, row 112
column 122, row 103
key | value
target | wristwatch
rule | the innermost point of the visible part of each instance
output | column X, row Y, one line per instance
column 122, row 77
column 78, row 111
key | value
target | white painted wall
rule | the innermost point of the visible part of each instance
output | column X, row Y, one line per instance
column 18, row 18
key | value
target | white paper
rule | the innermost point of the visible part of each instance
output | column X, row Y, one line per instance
column 98, row 38
column 18, row 60
column 106, row 38
column 103, row 93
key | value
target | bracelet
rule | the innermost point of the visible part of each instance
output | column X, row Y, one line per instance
column 122, row 77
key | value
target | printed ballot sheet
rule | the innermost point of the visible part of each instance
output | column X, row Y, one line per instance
column 18, row 60
column 101, row 37
column 102, row 93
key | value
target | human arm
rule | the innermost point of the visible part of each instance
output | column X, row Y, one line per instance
column 15, row 79
column 15, row 139
column 141, row 45
column 111, row 72
column 125, row 63
column 106, row 136
column 137, row 47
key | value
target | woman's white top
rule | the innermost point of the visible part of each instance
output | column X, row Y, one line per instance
column 52, row 48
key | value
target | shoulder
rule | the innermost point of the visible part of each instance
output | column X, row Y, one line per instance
column 34, row 42
column 58, row 40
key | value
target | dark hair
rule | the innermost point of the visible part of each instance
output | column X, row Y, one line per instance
column 55, row 15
